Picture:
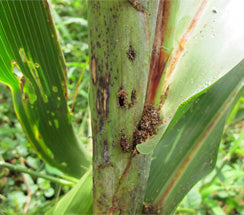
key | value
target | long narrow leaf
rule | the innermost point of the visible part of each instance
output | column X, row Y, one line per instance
column 189, row 150
column 78, row 200
column 32, row 65
column 213, row 48
column 209, row 42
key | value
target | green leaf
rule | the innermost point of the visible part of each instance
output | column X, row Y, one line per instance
column 188, row 152
column 217, row 210
column 4, row 131
column 213, row 48
column 43, row 184
column 69, row 20
column 193, row 199
column 32, row 65
column 33, row 162
column 78, row 200
column 49, row 192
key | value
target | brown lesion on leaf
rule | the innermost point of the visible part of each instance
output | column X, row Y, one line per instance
column 147, row 126
column 122, row 97
column 25, row 97
column 94, row 72
column 164, row 96
column 131, row 54
column 149, row 209
column 178, row 53
column 22, row 83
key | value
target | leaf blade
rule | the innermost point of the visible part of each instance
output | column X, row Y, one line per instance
column 33, row 66
column 211, row 51
column 78, row 200
column 189, row 150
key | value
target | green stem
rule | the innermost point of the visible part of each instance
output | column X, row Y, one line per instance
column 121, row 34
column 37, row 174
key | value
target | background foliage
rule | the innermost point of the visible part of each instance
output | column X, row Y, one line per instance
column 221, row 192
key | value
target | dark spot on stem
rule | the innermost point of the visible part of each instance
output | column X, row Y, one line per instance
column 98, row 101
column 149, row 209
column 125, row 145
column 131, row 54
column 103, row 166
column 147, row 126
column 132, row 98
column 94, row 72
column 98, row 45
column 106, row 157
column 101, row 123
column 122, row 97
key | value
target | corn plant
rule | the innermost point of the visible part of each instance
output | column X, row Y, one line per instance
column 164, row 76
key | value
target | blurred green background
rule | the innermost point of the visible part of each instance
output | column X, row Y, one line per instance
column 221, row 192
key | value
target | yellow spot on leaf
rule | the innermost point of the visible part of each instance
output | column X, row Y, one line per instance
column 56, row 123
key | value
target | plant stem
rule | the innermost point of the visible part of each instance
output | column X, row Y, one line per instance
column 120, row 47
column 36, row 174
column 27, row 188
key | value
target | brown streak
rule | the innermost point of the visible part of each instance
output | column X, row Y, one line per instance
column 192, row 153
column 113, row 208
column 178, row 53
column 78, row 84
column 193, row 24
column 105, row 98
column 94, row 72
column 159, row 57
column 155, row 55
